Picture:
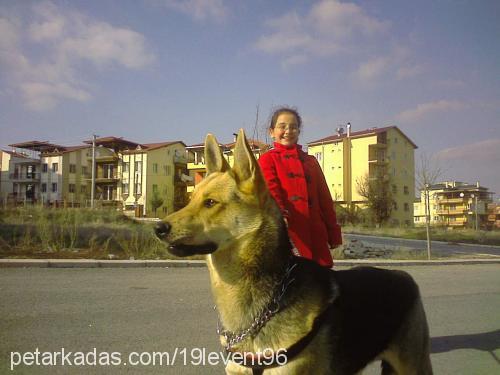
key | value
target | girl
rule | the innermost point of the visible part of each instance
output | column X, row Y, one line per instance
column 298, row 185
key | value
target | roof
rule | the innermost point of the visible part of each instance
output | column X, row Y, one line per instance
column 154, row 146
column 114, row 143
column 37, row 146
column 456, row 186
column 16, row 154
column 252, row 142
column 151, row 146
column 359, row 134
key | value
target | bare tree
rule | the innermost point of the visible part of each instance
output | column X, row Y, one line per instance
column 378, row 195
column 428, row 172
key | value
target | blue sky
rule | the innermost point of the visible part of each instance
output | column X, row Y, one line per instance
column 159, row 70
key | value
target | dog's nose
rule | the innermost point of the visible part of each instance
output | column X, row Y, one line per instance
column 162, row 229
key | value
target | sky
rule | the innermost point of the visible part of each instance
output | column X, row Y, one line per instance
column 164, row 70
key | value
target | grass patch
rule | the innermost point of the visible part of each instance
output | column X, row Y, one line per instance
column 77, row 233
column 437, row 234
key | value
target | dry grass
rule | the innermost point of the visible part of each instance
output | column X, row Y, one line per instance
column 37, row 232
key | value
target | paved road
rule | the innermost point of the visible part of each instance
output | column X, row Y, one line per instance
column 441, row 249
column 161, row 309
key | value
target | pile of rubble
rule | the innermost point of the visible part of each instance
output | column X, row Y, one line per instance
column 354, row 249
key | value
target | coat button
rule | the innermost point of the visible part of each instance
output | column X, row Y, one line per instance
column 291, row 175
column 294, row 198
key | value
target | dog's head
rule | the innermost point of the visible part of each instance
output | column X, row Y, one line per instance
column 225, row 207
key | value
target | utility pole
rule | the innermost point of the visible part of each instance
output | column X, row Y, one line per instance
column 92, row 189
column 427, row 220
column 475, row 209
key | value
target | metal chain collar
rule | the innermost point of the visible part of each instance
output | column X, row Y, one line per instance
column 233, row 338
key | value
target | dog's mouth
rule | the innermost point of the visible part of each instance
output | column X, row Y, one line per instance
column 184, row 250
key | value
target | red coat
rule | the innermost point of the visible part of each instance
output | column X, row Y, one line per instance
column 298, row 185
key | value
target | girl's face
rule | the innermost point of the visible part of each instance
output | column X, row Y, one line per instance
column 286, row 131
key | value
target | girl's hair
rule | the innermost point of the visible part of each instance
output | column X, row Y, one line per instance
column 285, row 109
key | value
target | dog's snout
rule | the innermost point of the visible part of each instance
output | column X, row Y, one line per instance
column 162, row 229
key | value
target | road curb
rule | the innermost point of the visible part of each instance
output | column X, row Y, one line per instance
column 91, row 263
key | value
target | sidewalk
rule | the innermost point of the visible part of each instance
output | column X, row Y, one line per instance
column 91, row 263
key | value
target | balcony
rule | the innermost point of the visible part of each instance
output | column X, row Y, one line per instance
column 451, row 200
column 451, row 212
column 25, row 177
column 103, row 158
column 109, row 178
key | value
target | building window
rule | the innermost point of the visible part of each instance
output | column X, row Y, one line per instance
column 55, row 167
column 72, row 168
column 54, row 187
column 84, row 170
column 138, row 188
column 83, row 189
column 138, row 166
column 155, row 168
column 125, row 167
column 124, row 188
column 45, row 167
column 318, row 156
column 108, row 170
column 394, row 189
column 155, row 188
column 406, row 190
column 395, row 206
column 44, row 188
column 71, row 188
column 407, row 207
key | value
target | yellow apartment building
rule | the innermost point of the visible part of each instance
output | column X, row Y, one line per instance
column 127, row 175
column 154, row 169
column 386, row 153
column 19, row 177
column 454, row 204
column 56, row 174
column 196, row 159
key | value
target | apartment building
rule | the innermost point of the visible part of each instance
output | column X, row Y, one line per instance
column 455, row 204
column 493, row 216
column 19, row 177
column 196, row 159
column 154, row 171
column 127, row 175
column 347, row 158
column 54, row 174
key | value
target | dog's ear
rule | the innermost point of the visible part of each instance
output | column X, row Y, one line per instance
column 246, row 169
column 214, row 160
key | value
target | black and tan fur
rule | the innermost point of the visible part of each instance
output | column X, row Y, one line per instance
column 374, row 314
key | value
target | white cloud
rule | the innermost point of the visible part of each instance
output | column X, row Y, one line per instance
column 408, row 71
column 325, row 30
column 395, row 63
column 415, row 114
column 372, row 69
column 63, row 40
column 200, row 10
column 483, row 151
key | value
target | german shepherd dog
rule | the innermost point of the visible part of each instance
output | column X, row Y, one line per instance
column 273, row 304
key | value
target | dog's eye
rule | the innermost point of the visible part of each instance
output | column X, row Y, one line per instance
column 209, row 203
